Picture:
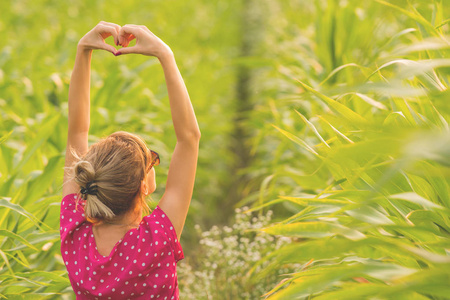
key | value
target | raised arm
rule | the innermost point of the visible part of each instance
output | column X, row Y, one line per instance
column 180, row 181
column 183, row 166
column 79, row 90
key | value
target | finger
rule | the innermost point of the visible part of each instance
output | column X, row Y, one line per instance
column 117, row 28
column 109, row 23
column 106, row 31
column 129, row 39
column 126, row 39
column 128, row 32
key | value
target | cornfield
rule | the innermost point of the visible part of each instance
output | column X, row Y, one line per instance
column 330, row 116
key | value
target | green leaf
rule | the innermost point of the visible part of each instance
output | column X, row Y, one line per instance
column 397, row 119
column 19, row 209
column 369, row 215
column 415, row 198
column 37, row 238
column 5, row 259
column 313, row 230
column 297, row 140
column 340, row 134
column 311, row 126
column 319, row 279
column 315, row 200
column 370, row 290
column 335, row 71
column 4, row 232
column 415, row 16
column 50, row 276
column 5, row 137
column 371, row 101
column 339, row 108
column 41, row 184
column 418, row 217
column 11, row 257
column 30, row 296
column 43, row 134
column 303, row 229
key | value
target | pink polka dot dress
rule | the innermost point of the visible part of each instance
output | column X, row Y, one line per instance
column 142, row 265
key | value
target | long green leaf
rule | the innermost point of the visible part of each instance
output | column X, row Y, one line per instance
column 415, row 16
column 44, row 133
column 339, row 108
column 7, row 233
column 297, row 140
column 19, row 209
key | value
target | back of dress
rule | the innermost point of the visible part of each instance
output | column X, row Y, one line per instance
column 142, row 265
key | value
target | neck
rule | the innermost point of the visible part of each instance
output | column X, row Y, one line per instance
column 121, row 224
column 130, row 218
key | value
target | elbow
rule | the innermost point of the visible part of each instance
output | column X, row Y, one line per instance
column 198, row 135
column 194, row 133
column 195, row 136
column 191, row 137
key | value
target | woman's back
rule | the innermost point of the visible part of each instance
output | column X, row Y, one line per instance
column 106, row 237
column 141, row 264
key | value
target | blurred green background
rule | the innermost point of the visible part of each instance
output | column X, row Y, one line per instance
column 323, row 167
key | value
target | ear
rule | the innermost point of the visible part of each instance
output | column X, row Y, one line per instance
column 144, row 186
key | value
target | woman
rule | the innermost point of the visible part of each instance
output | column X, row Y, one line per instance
column 110, row 250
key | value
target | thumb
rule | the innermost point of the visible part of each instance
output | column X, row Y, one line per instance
column 107, row 47
column 127, row 50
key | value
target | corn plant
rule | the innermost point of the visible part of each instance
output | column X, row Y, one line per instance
column 364, row 165
column 37, row 53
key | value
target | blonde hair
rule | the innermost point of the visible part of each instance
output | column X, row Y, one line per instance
column 117, row 165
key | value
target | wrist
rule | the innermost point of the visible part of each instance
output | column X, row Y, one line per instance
column 83, row 49
column 166, row 55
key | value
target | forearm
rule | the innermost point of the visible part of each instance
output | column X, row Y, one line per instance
column 183, row 116
column 79, row 90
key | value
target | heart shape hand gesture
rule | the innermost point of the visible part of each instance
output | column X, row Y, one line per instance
column 146, row 42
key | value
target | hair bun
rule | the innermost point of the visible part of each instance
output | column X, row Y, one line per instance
column 84, row 172
column 109, row 176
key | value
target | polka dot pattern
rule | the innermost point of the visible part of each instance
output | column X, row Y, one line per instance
column 142, row 265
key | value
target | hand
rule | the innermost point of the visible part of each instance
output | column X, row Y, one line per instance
column 146, row 42
column 95, row 39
